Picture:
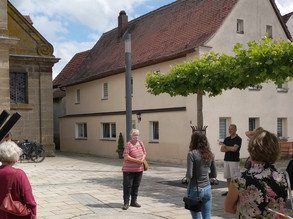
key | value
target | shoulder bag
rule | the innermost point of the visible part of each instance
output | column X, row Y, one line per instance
column 145, row 163
column 13, row 207
column 193, row 204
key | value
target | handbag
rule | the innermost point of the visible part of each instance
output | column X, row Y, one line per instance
column 13, row 207
column 145, row 165
column 193, row 204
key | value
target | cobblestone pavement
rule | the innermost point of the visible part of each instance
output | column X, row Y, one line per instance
column 87, row 187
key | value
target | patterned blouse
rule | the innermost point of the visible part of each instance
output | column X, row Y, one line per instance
column 136, row 151
column 261, row 187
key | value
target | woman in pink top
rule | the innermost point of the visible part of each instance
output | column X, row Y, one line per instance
column 21, row 189
column 134, row 155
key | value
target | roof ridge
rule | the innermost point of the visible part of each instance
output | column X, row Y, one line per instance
column 164, row 7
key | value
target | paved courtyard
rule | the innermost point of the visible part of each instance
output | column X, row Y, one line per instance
column 82, row 186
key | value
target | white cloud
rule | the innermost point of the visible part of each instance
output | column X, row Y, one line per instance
column 285, row 6
column 98, row 15
column 53, row 30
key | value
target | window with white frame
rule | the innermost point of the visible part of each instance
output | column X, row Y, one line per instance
column 108, row 131
column 253, row 123
column 223, row 129
column 154, row 131
column 240, row 26
column 283, row 87
column 18, row 87
column 282, row 129
column 269, row 31
column 81, row 130
column 105, row 91
column 77, row 96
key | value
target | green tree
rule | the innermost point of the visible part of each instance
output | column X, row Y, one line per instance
column 261, row 62
column 120, row 146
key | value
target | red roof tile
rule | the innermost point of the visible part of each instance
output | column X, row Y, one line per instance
column 28, row 18
column 286, row 17
column 58, row 93
column 68, row 70
column 166, row 33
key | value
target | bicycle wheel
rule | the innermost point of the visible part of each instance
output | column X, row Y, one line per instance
column 38, row 156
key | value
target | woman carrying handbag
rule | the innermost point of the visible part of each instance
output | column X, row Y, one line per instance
column 200, row 168
column 16, row 191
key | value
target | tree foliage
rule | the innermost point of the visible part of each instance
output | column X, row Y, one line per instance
column 263, row 61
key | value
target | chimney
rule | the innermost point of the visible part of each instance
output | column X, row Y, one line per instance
column 122, row 22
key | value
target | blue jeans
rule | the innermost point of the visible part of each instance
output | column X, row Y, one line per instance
column 206, row 195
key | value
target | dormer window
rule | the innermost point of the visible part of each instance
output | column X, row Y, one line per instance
column 269, row 31
column 240, row 26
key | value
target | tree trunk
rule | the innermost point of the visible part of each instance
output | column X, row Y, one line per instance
column 199, row 109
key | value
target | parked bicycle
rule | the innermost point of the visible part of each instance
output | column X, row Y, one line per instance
column 31, row 151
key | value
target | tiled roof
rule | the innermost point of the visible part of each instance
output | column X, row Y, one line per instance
column 68, row 70
column 28, row 18
column 58, row 93
column 166, row 33
column 286, row 17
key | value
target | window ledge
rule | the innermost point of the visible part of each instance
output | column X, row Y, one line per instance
column 282, row 90
column 254, row 89
column 155, row 142
column 20, row 106
column 108, row 139
column 80, row 138
column 104, row 98
column 240, row 32
column 283, row 139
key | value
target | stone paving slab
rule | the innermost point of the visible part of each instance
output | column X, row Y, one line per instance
column 86, row 187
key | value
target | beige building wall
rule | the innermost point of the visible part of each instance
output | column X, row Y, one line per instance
column 266, row 104
column 91, row 102
column 237, row 106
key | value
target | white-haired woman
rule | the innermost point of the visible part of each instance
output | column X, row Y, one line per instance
column 134, row 155
column 21, row 189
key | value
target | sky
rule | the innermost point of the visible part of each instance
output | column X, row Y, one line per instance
column 75, row 26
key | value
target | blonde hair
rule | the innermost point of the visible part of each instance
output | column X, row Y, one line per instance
column 9, row 151
column 264, row 147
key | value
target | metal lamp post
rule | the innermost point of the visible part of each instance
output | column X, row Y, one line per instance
column 128, row 84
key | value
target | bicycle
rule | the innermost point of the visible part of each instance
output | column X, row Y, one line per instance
column 31, row 151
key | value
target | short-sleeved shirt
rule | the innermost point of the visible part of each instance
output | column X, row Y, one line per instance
column 230, row 142
column 136, row 151
column 259, row 188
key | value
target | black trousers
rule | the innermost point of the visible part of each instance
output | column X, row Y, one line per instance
column 131, row 182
